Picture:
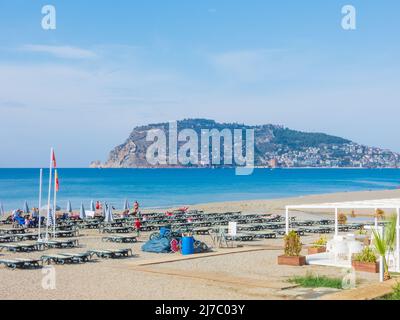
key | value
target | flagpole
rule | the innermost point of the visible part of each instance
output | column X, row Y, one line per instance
column 49, row 194
column 40, row 202
column 55, row 203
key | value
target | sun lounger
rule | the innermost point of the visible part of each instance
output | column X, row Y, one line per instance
column 60, row 244
column 120, row 239
column 12, row 231
column 79, row 257
column 21, row 247
column 111, row 253
column 6, row 238
column 20, row 263
column 66, row 233
column 116, row 229
column 240, row 237
column 265, row 235
column 25, row 236
column 201, row 231
column 62, row 258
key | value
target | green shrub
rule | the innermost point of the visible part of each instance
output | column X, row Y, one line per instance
column 293, row 244
column 314, row 281
column 367, row 255
column 321, row 242
column 395, row 295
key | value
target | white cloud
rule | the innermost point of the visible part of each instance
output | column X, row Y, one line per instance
column 66, row 52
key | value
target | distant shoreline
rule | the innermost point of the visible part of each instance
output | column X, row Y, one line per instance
column 214, row 168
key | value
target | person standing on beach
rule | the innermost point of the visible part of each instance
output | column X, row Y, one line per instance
column 135, row 207
column 138, row 225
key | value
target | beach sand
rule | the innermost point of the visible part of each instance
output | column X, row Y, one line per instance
column 251, row 273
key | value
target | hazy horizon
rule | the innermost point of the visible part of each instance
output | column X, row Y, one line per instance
column 111, row 66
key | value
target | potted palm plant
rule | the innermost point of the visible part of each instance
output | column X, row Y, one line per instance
column 292, row 251
column 318, row 246
column 385, row 243
column 366, row 261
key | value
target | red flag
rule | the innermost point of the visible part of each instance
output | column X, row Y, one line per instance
column 53, row 157
column 56, row 179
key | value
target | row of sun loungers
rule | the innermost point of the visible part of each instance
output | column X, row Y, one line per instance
column 39, row 246
column 66, row 258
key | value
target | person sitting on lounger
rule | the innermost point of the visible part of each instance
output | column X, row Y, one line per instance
column 125, row 213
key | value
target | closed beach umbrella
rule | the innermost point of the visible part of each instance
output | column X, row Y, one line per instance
column 2, row 212
column 126, row 205
column 82, row 213
column 104, row 210
column 109, row 215
column 69, row 207
column 26, row 207
column 50, row 220
column 92, row 206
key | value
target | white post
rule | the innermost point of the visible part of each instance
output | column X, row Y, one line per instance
column 381, row 271
column 287, row 220
column 376, row 219
column 40, row 202
column 398, row 241
column 49, row 194
column 336, row 222
column 54, row 205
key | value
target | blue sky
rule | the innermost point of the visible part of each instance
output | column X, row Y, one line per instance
column 112, row 65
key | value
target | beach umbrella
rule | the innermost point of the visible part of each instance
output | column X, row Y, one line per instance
column 104, row 210
column 109, row 215
column 69, row 207
column 26, row 207
column 92, row 206
column 50, row 220
column 126, row 205
column 2, row 212
column 82, row 213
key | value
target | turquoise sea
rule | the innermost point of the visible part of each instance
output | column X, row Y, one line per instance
column 168, row 187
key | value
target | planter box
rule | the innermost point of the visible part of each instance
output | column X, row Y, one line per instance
column 315, row 250
column 366, row 266
column 292, row 261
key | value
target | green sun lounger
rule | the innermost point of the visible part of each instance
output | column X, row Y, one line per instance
column 120, row 239
column 60, row 244
column 111, row 253
column 20, row 263
column 21, row 247
column 64, row 258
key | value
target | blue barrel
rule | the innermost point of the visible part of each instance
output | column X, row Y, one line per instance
column 187, row 245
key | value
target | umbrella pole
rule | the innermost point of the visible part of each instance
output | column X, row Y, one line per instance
column 49, row 195
column 40, row 202
column 55, row 208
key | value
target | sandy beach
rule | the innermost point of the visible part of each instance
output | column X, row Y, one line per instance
column 247, row 272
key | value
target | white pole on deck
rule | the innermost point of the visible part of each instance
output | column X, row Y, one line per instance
column 376, row 218
column 336, row 222
column 40, row 202
column 287, row 221
column 49, row 195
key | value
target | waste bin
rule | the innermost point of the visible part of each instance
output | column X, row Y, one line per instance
column 187, row 245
